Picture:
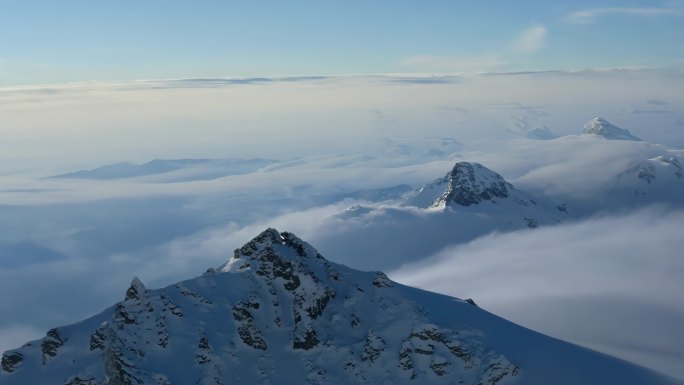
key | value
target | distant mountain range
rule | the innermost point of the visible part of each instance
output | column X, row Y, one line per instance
column 278, row 312
column 195, row 169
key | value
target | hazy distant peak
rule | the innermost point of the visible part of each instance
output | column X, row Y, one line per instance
column 541, row 133
column 602, row 127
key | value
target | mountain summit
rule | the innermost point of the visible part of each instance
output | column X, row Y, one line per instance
column 473, row 188
column 467, row 184
column 472, row 183
column 277, row 312
column 602, row 127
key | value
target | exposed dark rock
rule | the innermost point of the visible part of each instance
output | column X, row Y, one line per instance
column 98, row 338
column 117, row 370
column 122, row 316
column 646, row 172
column 320, row 303
column 466, row 188
column 435, row 336
column 267, row 236
column 190, row 293
column 470, row 301
column 309, row 340
column 372, row 348
column 76, row 380
column 406, row 361
column 381, row 280
column 332, row 273
column 162, row 332
column 136, row 290
column 247, row 330
column 497, row 371
column 11, row 361
column 274, row 266
column 292, row 241
column 203, row 355
column 170, row 306
column 439, row 367
column 50, row 344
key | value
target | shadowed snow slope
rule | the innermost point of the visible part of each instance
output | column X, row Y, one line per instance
column 278, row 312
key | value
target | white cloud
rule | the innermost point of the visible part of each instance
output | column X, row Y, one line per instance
column 531, row 40
column 612, row 281
column 592, row 15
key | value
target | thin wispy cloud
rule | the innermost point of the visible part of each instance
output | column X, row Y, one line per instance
column 617, row 267
column 531, row 40
column 589, row 16
column 454, row 63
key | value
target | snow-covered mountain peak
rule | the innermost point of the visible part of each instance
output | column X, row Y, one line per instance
column 136, row 290
column 602, row 127
column 473, row 189
column 286, row 315
column 271, row 245
column 467, row 184
column 470, row 184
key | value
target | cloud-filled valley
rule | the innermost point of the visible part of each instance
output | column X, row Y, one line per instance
column 163, row 179
column 611, row 282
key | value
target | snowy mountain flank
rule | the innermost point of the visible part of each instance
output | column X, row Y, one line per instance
column 660, row 179
column 278, row 312
column 472, row 185
column 602, row 127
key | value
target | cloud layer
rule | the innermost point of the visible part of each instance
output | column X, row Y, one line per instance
column 614, row 282
column 65, row 127
column 531, row 40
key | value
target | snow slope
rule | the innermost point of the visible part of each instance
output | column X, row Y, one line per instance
column 659, row 179
column 278, row 312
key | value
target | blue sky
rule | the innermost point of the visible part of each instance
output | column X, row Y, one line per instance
column 78, row 40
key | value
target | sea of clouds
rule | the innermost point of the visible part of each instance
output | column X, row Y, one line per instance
column 606, row 277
